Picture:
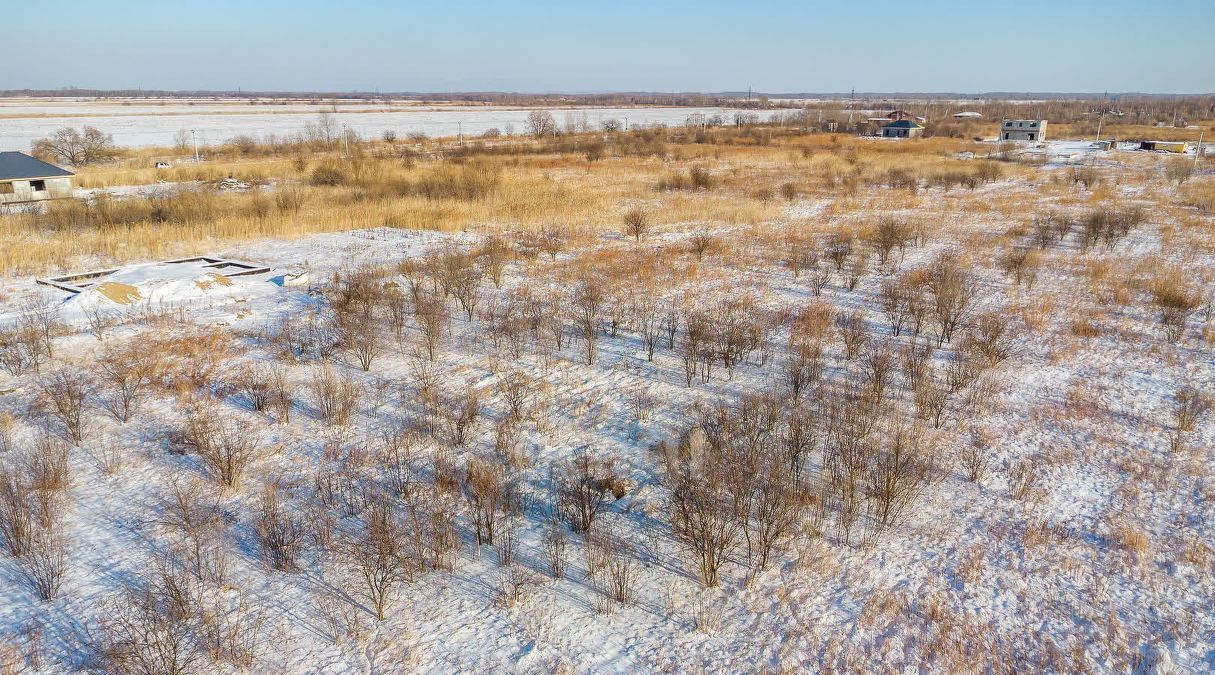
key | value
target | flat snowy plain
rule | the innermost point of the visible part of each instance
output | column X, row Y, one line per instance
column 145, row 124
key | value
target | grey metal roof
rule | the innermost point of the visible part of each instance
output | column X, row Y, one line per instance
column 16, row 165
column 903, row 124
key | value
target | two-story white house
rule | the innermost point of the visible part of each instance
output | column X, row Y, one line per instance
column 1023, row 130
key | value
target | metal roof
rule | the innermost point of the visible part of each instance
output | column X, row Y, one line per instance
column 17, row 165
column 902, row 124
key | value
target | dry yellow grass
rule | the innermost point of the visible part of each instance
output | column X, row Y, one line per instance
column 531, row 188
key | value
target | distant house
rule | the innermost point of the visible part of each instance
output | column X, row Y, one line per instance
column 901, row 129
column 1165, row 146
column 26, row 179
column 967, row 115
column 1023, row 130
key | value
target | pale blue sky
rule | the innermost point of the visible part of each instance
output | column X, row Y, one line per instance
column 1167, row 46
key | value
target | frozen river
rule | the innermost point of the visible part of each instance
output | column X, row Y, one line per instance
column 152, row 124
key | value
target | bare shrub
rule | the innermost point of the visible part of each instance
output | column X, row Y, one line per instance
column 339, row 616
column 18, row 512
column 280, row 393
column 45, row 562
column 514, row 584
column 492, row 256
column 1179, row 170
column 703, row 515
column 147, row 631
column 63, row 397
column 337, row 396
column 279, row 532
column 361, row 335
column 993, row 338
column 701, row 243
column 620, row 565
column 433, row 319
column 1021, row 263
column 803, row 367
column 1023, row 477
column 976, row 459
column 127, row 373
column 581, row 488
column 1176, row 301
column 517, row 390
column 852, row 333
column 1189, row 406
column 226, row 448
column 555, row 548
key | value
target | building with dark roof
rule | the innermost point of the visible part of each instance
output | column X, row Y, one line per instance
column 901, row 129
column 28, row 179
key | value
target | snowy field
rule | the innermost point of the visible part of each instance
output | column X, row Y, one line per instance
column 156, row 125
column 1097, row 559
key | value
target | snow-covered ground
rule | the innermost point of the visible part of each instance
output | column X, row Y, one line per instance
column 974, row 579
column 138, row 126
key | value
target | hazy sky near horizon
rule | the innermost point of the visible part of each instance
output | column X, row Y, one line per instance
column 1166, row 46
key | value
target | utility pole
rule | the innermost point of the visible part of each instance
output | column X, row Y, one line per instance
column 1099, row 121
column 1198, row 150
column 194, row 133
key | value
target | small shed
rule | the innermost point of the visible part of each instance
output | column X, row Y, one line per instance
column 1165, row 146
column 28, row 179
column 901, row 129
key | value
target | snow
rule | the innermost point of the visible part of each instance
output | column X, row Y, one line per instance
column 157, row 125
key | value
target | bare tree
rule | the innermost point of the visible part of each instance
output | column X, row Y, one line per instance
column 377, row 558
column 76, row 147
column 588, row 302
column 702, row 511
column 540, row 123
column 196, row 518
column 636, row 222
column 898, row 473
column 431, row 314
column 701, row 243
column 488, row 493
column 953, row 293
